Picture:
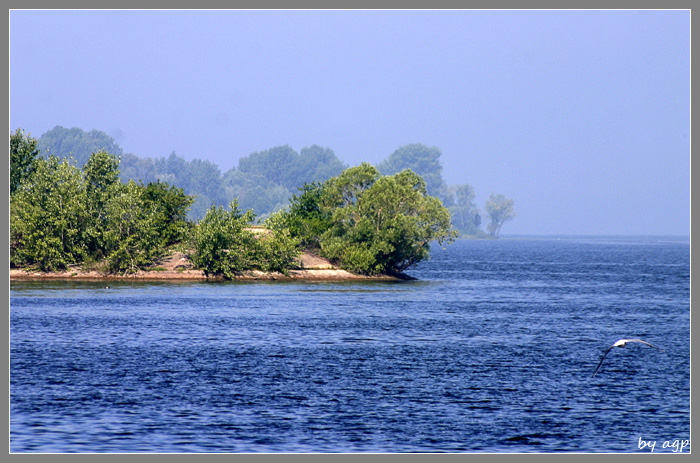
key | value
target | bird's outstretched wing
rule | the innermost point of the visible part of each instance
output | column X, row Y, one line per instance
column 601, row 360
column 647, row 343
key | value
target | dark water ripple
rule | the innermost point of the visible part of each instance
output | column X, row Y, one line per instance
column 491, row 351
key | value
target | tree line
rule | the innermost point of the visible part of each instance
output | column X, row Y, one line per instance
column 367, row 221
column 264, row 181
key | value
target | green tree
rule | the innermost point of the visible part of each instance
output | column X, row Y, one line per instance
column 381, row 224
column 465, row 215
column 421, row 159
column 101, row 174
column 346, row 189
column 304, row 218
column 48, row 216
column 223, row 244
column 131, row 239
column 500, row 210
column 277, row 249
column 23, row 154
column 169, row 205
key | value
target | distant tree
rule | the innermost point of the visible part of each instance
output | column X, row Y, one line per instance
column 198, row 178
column 285, row 167
column 76, row 143
column 421, row 159
column 317, row 164
column 500, row 210
column 255, row 192
column 465, row 215
column 278, row 164
column 135, row 168
column 172, row 168
column 23, row 154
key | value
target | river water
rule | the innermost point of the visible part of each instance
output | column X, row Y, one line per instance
column 491, row 350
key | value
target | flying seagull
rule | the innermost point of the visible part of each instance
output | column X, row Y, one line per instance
column 622, row 343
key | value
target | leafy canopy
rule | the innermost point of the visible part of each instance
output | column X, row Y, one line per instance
column 367, row 223
column 225, row 245
column 23, row 153
column 61, row 215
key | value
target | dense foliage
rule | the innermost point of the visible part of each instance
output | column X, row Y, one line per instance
column 368, row 223
column 23, row 153
column 226, row 245
column 62, row 215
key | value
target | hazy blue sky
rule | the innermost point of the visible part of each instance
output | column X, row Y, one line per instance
column 581, row 117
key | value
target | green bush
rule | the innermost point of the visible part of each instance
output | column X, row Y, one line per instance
column 222, row 244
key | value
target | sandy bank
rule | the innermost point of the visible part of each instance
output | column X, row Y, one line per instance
column 179, row 267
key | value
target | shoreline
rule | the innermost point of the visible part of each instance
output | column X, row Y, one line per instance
column 178, row 267
column 198, row 275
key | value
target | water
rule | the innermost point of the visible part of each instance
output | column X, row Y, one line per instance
column 491, row 350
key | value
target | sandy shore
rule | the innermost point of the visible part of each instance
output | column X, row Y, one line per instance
column 179, row 267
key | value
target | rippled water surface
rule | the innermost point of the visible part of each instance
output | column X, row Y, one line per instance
column 491, row 350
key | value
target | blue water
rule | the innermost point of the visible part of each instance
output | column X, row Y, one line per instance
column 491, row 350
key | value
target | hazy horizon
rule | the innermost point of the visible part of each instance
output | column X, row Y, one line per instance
column 581, row 117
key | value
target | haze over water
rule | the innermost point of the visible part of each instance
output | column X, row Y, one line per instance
column 581, row 117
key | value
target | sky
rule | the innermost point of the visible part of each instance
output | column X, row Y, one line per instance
column 582, row 118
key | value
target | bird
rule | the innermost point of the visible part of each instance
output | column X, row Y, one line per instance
column 622, row 343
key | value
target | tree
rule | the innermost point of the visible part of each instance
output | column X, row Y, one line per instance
column 101, row 174
column 223, row 244
column 304, row 218
column 255, row 192
column 381, row 224
column 132, row 167
column 48, row 217
column 169, row 205
column 76, row 143
column 421, row 159
column 23, row 153
column 198, row 178
column 62, row 215
column 131, row 239
column 465, row 214
column 317, row 164
column 277, row 164
column 346, row 189
column 500, row 210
